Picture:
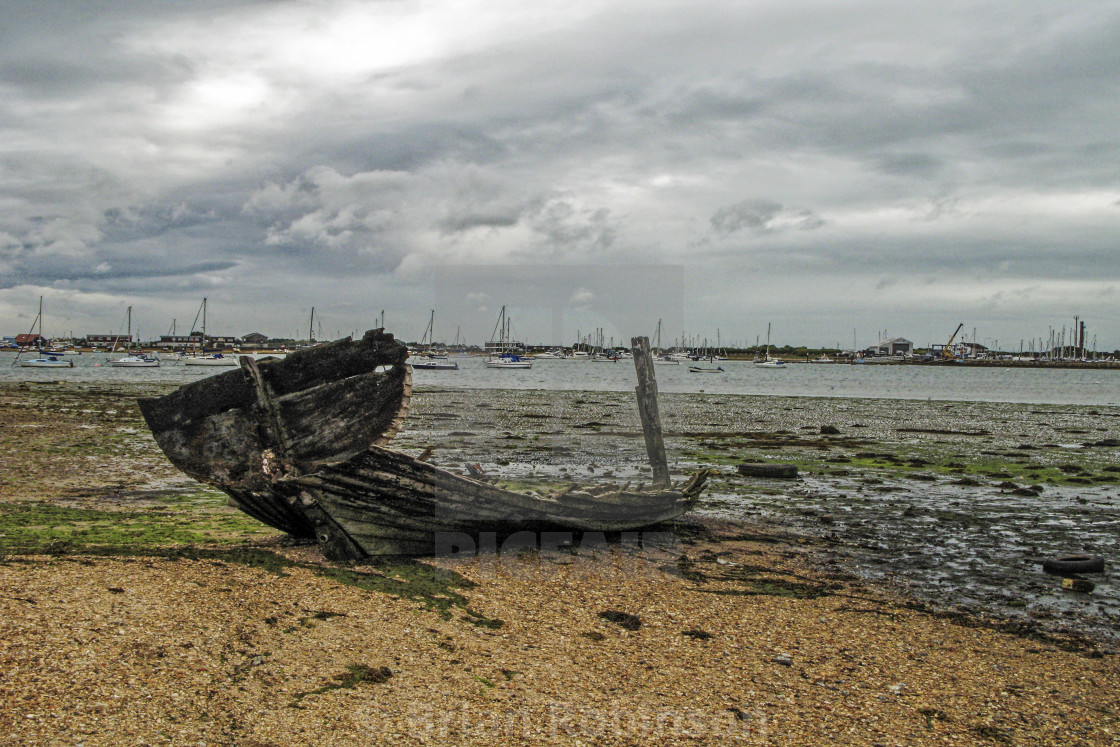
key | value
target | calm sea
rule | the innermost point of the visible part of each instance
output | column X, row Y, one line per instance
column 966, row 384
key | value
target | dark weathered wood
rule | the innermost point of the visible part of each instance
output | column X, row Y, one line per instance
column 244, row 429
column 336, row 542
column 332, row 400
column 647, row 410
column 273, row 432
column 388, row 502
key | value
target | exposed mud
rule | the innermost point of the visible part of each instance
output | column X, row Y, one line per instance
column 957, row 503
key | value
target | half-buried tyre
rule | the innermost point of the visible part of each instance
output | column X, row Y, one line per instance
column 1067, row 564
column 767, row 469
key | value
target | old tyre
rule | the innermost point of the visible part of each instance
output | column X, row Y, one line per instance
column 1067, row 564
column 784, row 471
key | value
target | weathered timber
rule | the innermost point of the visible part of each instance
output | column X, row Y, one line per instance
column 647, row 410
column 301, row 444
column 246, row 429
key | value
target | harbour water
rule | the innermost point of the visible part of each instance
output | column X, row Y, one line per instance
column 1057, row 386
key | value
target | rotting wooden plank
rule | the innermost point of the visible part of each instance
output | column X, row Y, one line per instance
column 272, row 427
column 647, row 411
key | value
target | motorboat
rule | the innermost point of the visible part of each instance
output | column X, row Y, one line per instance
column 135, row 361
column 432, row 363
column 46, row 362
column 508, row 361
column 214, row 359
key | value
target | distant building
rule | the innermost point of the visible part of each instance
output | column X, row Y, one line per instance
column 971, row 350
column 894, row 346
column 31, row 341
column 255, row 338
column 511, row 346
column 96, row 341
column 196, row 341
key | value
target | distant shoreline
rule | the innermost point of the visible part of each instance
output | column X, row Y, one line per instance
column 1097, row 365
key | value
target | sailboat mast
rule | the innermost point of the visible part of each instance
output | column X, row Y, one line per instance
column 38, row 320
column 311, row 327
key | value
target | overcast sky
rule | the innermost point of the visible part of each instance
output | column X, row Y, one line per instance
column 835, row 169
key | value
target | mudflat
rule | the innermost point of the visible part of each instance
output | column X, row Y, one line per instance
column 137, row 608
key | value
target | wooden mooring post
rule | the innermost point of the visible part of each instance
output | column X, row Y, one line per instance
column 647, row 411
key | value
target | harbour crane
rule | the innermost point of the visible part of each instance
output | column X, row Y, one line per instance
column 947, row 351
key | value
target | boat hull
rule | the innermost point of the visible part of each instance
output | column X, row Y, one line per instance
column 135, row 362
column 228, row 362
column 508, row 364
column 262, row 356
column 301, row 445
column 388, row 503
column 435, row 365
column 244, row 430
column 45, row 363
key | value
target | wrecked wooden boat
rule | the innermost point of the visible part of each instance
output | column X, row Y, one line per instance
column 301, row 444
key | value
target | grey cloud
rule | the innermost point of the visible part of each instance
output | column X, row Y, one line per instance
column 100, row 272
column 761, row 217
column 347, row 221
column 466, row 221
column 564, row 224
column 909, row 164
column 749, row 214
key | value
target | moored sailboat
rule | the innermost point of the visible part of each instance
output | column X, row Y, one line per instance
column 137, row 360
column 500, row 354
column 45, row 360
column 213, row 359
column 769, row 362
column 660, row 357
column 430, row 360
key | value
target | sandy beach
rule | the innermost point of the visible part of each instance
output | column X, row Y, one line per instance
column 136, row 608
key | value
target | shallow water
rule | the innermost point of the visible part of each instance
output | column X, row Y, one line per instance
column 951, row 383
